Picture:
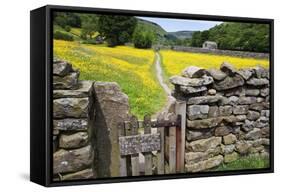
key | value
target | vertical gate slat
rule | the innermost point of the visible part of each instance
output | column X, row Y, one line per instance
column 128, row 131
column 178, row 146
column 160, row 154
column 123, row 162
column 172, row 144
column 181, row 110
column 135, row 157
column 166, row 141
column 147, row 155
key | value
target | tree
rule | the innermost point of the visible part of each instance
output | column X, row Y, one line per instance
column 89, row 27
column 236, row 36
column 196, row 40
column 204, row 36
column 117, row 30
column 64, row 19
column 143, row 38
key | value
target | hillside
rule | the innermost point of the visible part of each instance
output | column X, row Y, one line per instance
column 166, row 38
column 182, row 34
column 236, row 36
column 157, row 29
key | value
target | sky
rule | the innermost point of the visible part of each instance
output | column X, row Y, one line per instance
column 172, row 25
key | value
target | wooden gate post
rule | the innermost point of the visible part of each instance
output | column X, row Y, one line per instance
column 180, row 109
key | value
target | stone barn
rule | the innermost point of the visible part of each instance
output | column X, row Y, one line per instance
column 210, row 45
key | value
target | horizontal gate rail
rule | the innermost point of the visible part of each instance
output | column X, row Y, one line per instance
column 159, row 124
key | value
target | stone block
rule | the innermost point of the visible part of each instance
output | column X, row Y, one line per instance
column 112, row 108
column 84, row 89
column 225, row 110
column 204, row 100
column 197, row 111
column 192, row 82
column 205, row 165
column 62, row 68
column 229, row 139
column 84, row 174
column 193, row 72
column 70, row 107
column 254, row 134
column 76, row 140
column 231, row 157
column 217, row 74
column 203, row 145
column 229, row 83
column 240, row 109
column 253, row 115
column 65, row 161
column 70, row 124
column 69, row 81
column 257, row 81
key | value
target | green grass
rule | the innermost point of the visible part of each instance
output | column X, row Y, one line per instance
column 74, row 32
column 249, row 162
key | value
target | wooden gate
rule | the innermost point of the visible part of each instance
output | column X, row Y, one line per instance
column 150, row 147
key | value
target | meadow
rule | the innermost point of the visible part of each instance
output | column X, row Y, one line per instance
column 174, row 62
column 133, row 69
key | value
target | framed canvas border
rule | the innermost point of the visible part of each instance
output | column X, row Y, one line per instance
column 41, row 54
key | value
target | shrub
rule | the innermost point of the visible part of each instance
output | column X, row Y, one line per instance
column 67, row 28
column 143, row 39
column 89, row 41
column 63, row 36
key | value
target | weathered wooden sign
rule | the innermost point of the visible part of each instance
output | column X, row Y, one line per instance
column 139, row 143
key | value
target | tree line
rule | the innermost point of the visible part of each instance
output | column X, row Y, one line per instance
column 116, row 29
column 235, row 36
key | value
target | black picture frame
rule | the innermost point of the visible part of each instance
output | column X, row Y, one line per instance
column 41, row 93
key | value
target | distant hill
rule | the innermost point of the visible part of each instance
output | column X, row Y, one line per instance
column 164, row 37
column 182, row 34
column 154, row 27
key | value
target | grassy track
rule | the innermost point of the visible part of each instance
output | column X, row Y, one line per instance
column 174, row 62
column 133, row 69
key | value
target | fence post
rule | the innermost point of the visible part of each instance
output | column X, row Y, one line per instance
column 181, row 110
column 147, row 155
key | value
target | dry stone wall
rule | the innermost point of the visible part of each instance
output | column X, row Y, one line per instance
column 227, row 114
column 85, row 119
column 221, row 52
column 73, row 113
